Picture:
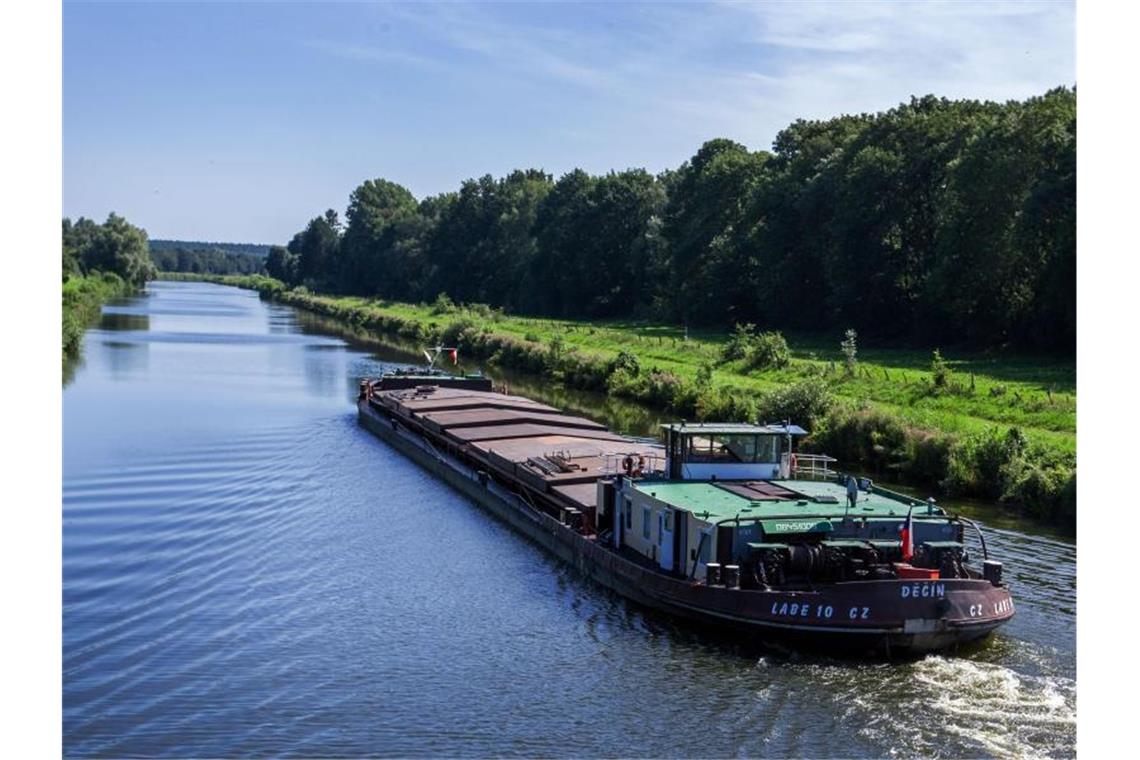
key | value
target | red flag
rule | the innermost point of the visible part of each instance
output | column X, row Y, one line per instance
column 455, row 356
column 907, row 534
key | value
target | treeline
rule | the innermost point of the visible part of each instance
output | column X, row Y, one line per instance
column 936, row 222
column 206, row 261
column 100, row 262
column 250, row 249
column 116, row 246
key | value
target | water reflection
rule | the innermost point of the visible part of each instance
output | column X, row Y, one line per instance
column 126, row 358
column 123, row 321
column 247, row 572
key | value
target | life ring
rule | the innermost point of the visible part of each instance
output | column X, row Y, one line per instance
column 792, row 464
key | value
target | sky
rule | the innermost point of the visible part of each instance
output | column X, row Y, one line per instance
column 240, row 122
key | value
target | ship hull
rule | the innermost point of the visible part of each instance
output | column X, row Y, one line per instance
column 886, row 617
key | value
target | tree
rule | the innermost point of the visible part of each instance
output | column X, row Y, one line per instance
column 114, row 246
column 371, row 258
column 707, row 203
column 595, row 238
column 483, row 246
column 317, row 249
column 280, row 263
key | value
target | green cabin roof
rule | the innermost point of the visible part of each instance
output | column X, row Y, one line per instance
column 703, row 498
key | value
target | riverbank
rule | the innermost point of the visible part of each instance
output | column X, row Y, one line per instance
column 82, row 299
column 982, row 426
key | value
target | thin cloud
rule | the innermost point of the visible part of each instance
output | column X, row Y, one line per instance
column 787, row 60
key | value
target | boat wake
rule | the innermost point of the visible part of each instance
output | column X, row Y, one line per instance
column 961, row 707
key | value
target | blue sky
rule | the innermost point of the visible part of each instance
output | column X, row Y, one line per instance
column 239, row 122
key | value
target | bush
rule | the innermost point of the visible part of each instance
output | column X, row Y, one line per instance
column 704, row 376
column 740, row 343
column 461, row 333
column 985, row 464
column 927, row 456
column 939, row 370
column 871, row 438
column 1037, row 487
column 725, row 406
column 849, row 349
column 769, row 351
column 443, row 305
column 626, row 361
column 804, row 403
column 82, row 301
column 766, row 350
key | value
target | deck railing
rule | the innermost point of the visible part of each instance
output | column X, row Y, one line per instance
column 641, row 465
column 807, row 466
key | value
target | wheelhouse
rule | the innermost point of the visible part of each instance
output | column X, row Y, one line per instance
column 729, row 451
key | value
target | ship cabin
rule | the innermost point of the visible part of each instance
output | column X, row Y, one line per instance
column 729, row 451
column 729, row 493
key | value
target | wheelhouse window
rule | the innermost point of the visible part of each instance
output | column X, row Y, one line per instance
column 645, row 522
column 728, row 448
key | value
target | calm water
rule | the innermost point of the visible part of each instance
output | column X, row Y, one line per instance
column 248, row 573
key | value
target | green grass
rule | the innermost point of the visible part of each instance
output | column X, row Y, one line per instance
column 1036, row 394
column 1000, row 427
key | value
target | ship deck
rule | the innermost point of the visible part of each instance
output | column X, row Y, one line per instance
column 559, row 454
column 761, row 499
column 564, row 456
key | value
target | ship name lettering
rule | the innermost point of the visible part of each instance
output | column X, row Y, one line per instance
column 795, row 609
column 925, row 590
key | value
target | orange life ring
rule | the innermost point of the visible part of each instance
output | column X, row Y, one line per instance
column 792, row 464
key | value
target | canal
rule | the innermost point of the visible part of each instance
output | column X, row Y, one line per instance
column 247, row 572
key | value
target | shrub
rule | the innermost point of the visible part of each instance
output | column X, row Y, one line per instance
column 849, row 349
column 984, row 464
column 443, row 304
column 460, row 333
column 740, row 343
column 871, row 438
column 623, row 381
column 769, row 351
column 724, row 406
column 939, row 370
column 804, row 403
column 1036, row 486
column 704, row 376
column 626, row 361
column 927, row 456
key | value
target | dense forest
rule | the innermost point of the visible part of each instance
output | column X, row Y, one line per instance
column 251, row 249
column 206, row 261
column 936, row 222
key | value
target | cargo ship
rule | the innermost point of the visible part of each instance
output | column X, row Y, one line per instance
column 727, row 525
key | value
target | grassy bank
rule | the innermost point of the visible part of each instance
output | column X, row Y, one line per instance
column 986, row 426
column 82, row 298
